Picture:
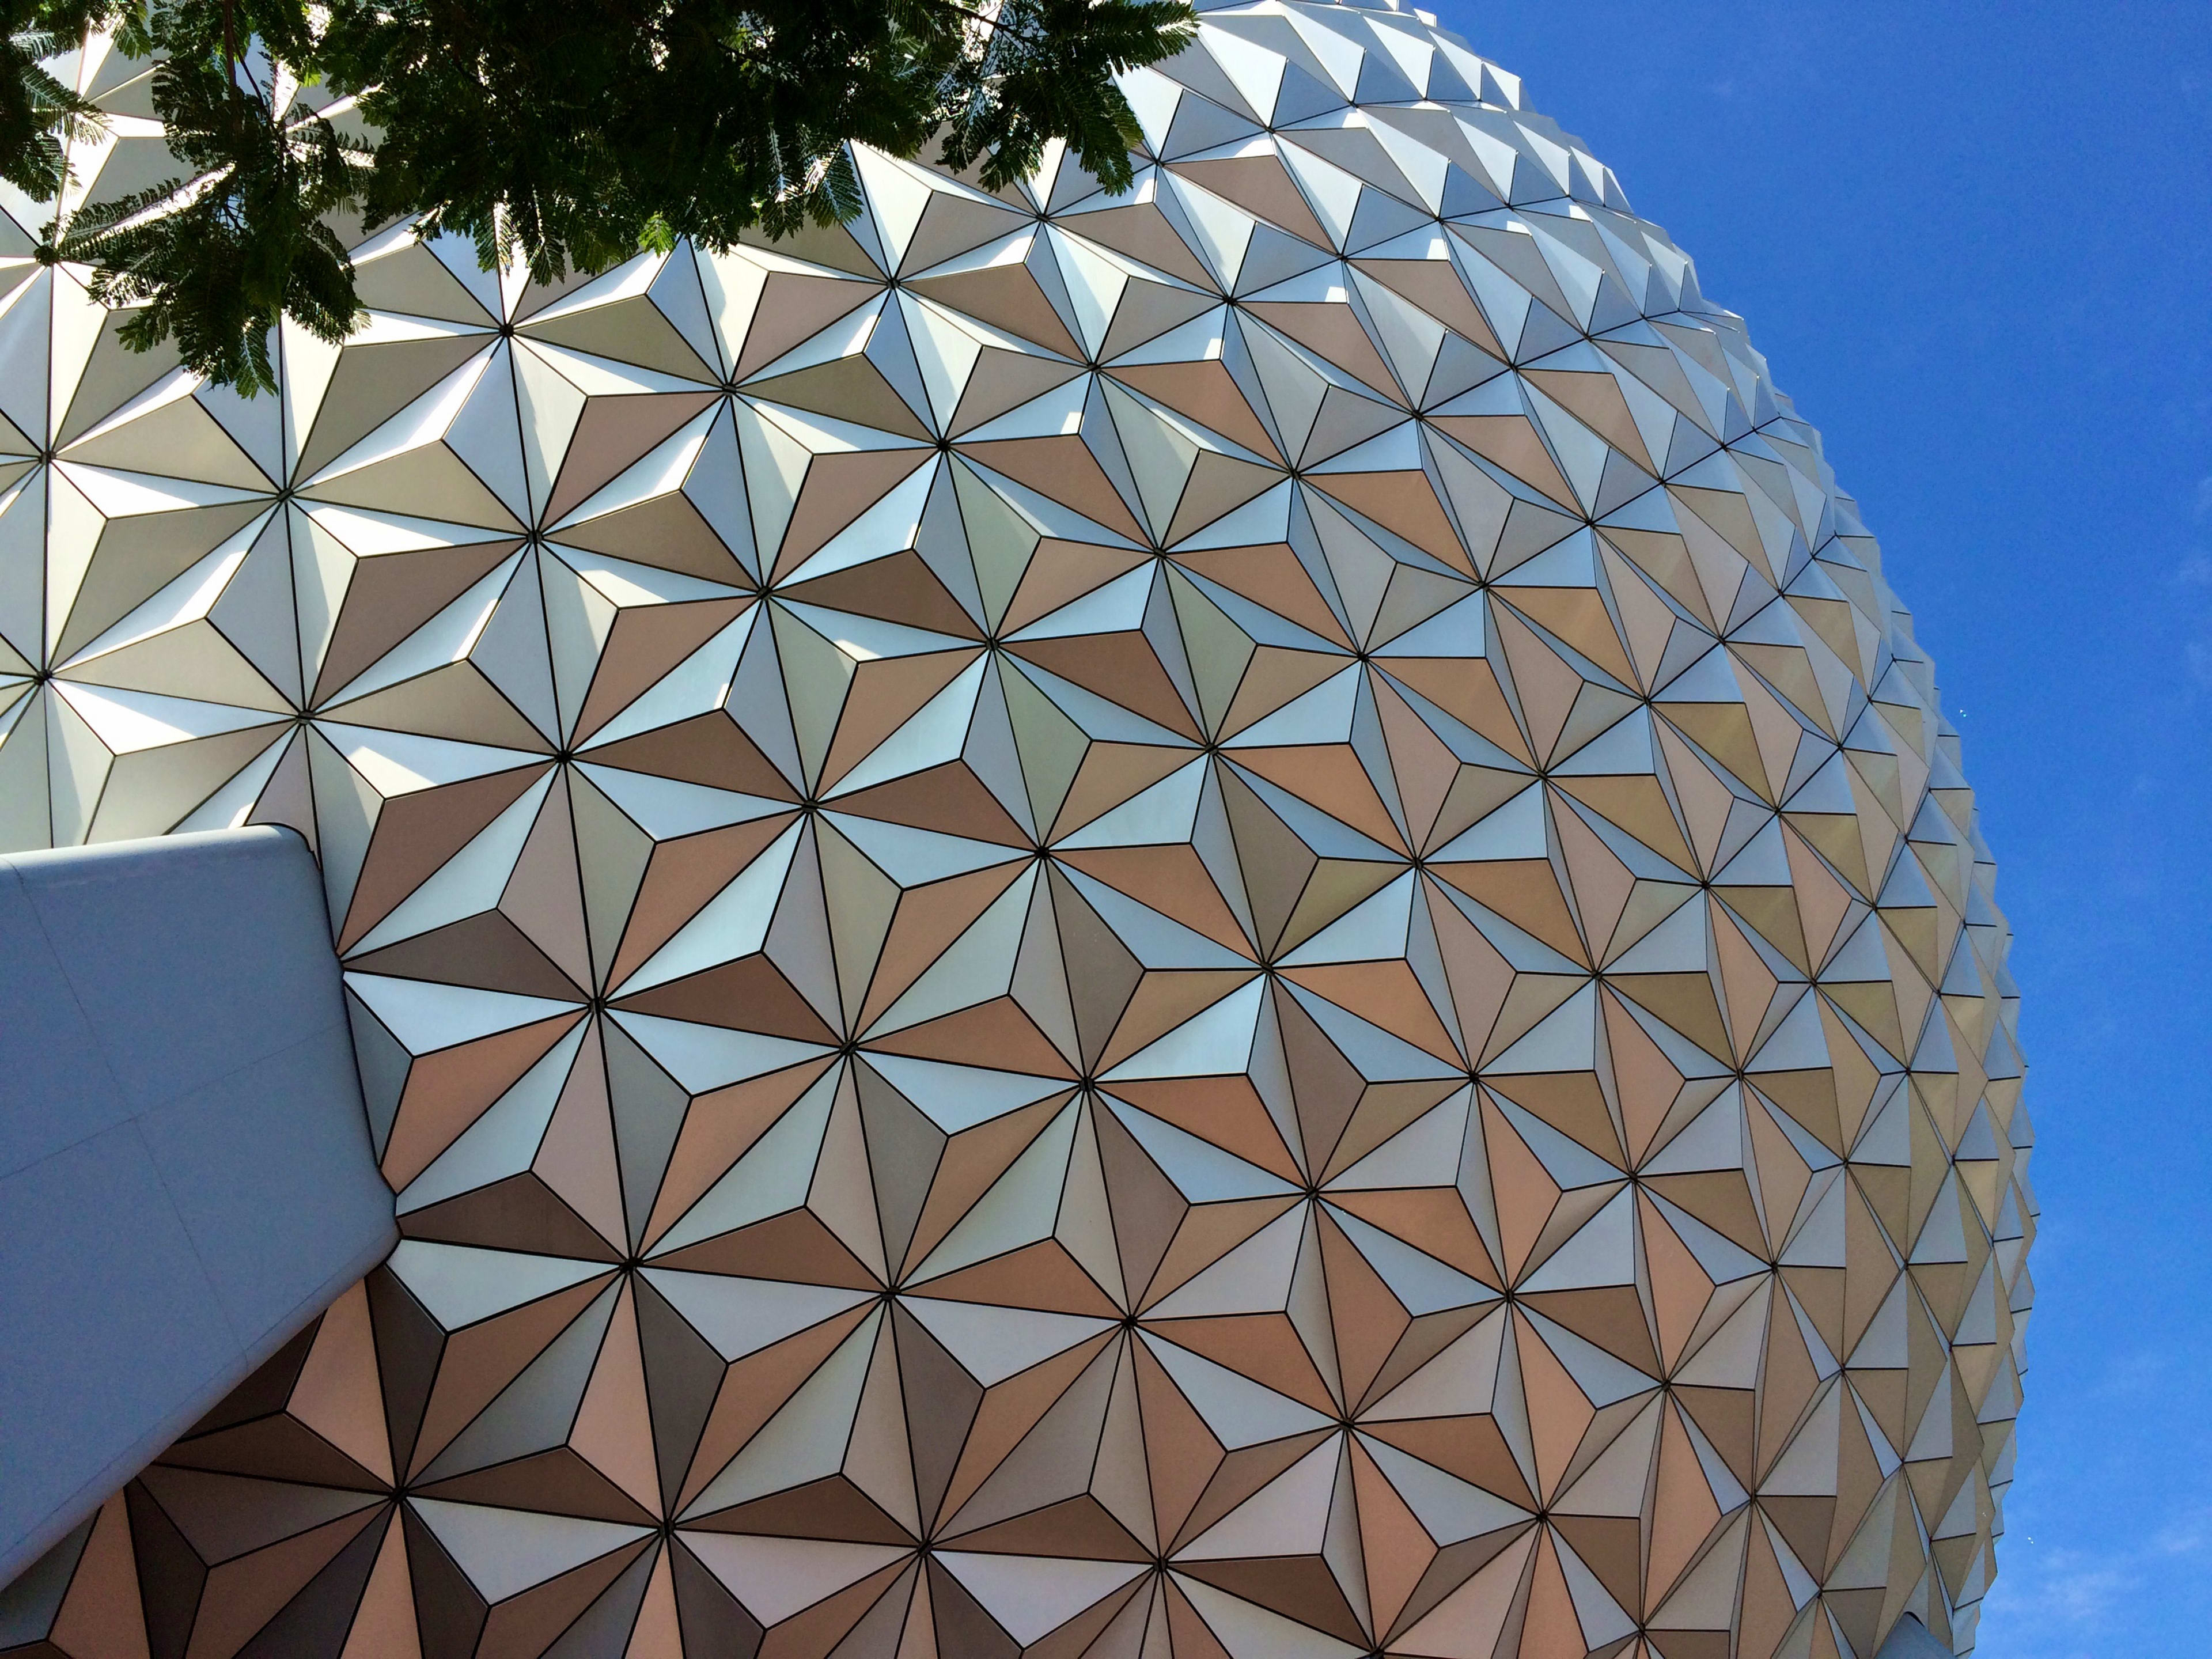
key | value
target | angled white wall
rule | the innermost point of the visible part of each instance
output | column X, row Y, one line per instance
column 184, row 1169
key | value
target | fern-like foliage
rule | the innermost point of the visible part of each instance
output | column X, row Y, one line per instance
column 38, row 114
column 560, row 134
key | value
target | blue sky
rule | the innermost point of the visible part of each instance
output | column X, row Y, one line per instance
column 1975, row 243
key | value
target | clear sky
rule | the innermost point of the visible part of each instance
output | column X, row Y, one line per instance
column 1975, row 242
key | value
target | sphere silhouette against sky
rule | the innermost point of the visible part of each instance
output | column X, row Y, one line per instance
column 1232, row 921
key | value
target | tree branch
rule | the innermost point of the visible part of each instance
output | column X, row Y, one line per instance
column 965, row 11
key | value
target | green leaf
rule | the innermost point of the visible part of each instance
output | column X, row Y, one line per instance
column 557, row 136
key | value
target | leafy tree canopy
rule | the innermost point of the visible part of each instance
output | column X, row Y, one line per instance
column 558, row 133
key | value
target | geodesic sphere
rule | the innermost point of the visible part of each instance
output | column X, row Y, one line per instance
column 1225, row 923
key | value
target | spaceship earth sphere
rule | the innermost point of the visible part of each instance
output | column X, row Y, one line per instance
column 1230, row 923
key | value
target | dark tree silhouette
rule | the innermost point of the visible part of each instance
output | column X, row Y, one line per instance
column 559, row 135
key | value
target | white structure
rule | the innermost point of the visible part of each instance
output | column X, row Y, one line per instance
column 1230, row 922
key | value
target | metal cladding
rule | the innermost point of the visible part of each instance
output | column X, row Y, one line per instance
column 1232, row 922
